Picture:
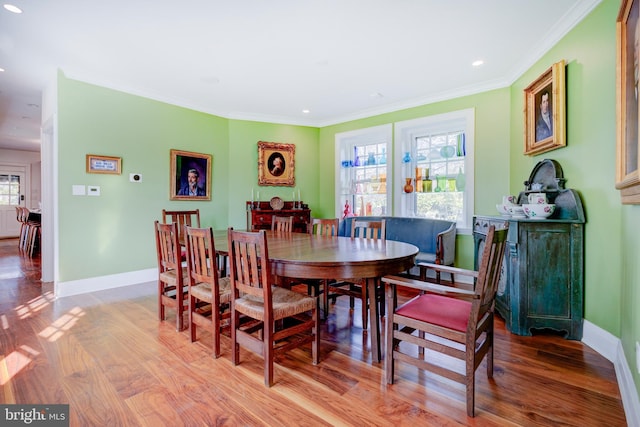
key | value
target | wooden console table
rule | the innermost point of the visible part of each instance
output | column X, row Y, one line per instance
column 259, row 215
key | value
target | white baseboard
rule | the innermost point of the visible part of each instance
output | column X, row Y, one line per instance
column 93, row 284
column 610, row 347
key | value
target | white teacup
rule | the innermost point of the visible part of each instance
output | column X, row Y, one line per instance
column 508, row 200
column 537, row 198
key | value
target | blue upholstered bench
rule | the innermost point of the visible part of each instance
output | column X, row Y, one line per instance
column 436, row 239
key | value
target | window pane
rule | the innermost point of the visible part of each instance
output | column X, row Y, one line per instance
column 9, row 190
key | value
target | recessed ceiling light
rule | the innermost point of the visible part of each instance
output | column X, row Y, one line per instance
column 376, row 95
column 12, row 8
column 305, row 111
column 1, row 70
column 477, row 63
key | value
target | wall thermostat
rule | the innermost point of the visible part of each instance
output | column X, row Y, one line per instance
column 135, row 177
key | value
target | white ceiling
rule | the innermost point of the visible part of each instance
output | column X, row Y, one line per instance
column 269, row 60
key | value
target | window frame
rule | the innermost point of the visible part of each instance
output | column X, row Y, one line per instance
column 344, row 143
column 405, row 134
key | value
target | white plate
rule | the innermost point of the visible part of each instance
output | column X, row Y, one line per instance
column 276, row 203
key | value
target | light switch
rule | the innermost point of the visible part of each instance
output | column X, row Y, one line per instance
column 93, row 190
column 78, row 190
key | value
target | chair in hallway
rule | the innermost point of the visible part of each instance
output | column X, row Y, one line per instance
column 282, row 319
column 209, row 294
column 446, row 320
column 172, row 277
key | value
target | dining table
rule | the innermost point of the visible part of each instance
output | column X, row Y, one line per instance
column 307, row 256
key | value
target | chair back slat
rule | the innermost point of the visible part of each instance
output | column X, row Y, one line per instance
column 489, row 272
column 200, row 246
column 324, row 226
column 182, row 218
column 248, row 263
column 168, row 248
column 282, row 224
column 367, row 229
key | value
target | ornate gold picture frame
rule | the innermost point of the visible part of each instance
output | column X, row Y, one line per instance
column 627, row 72
column 190, row 176
column 276, row 164
column 104, row 164
column 544, row 112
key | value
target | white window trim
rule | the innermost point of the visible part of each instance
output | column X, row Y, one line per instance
column 360, row 137
column 407, row 130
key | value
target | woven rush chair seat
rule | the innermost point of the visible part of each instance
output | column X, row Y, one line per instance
column 285, row 304
column 202, row 291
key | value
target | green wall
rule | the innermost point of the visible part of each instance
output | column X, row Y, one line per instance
column 588, row 160
column 243, row 155
column 113, row 234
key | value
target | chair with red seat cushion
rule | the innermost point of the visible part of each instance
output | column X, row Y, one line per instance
column 447, row 319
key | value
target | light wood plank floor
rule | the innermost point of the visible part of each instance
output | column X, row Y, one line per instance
column 108, row 356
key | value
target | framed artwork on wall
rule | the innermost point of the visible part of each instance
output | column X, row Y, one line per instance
column 276, row 164
column 627, row 74
column 544, row 112
column 190, row 176
column 104, row 164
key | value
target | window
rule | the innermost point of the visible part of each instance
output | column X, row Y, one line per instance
column 362, row 173
column 435, row 165
column 9, row 190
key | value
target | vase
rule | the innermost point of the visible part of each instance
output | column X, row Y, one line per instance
column 461, row 181
column 408, row 188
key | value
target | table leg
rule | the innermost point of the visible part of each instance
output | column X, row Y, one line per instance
column 374, row 319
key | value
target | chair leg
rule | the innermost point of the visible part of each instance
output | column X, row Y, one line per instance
column 160, row 304
column 215, row 331
column 267, row 342
column 365, row 306
column 192, row 325
column 315, row 345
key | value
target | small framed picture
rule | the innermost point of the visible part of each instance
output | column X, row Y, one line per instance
column 276, row 164
column 544, row 112
column 104, row 164
column 190, row 176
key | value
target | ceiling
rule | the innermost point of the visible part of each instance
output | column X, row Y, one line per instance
column 270, row 60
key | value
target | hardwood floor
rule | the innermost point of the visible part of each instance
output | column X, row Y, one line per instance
column 108, row 356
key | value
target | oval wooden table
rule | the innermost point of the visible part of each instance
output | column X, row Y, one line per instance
column 306, row 256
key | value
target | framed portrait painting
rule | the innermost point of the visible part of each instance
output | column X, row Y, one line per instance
column 276, row 164
column 544, row 112
column 190, row 176
column 627, row 75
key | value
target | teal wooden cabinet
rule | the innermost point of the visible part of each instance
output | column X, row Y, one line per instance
column 542, row 280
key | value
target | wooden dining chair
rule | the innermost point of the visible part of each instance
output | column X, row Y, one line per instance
column 254, row 296
column 182, row 218
column 172, row 278
column 22, row 215
column 446, row 319
column 209, row 295
column 327, row 227
column 282, row 223
column 357, row 287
